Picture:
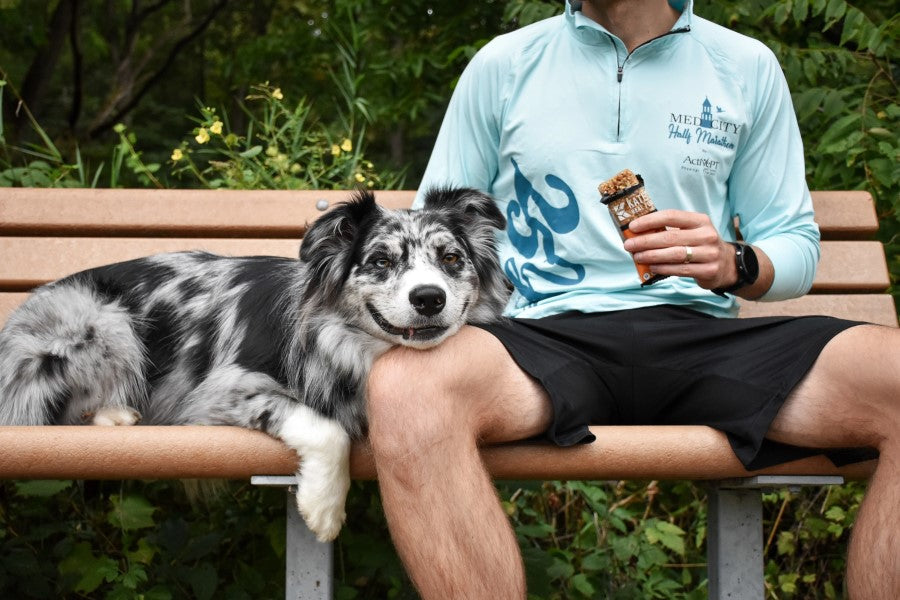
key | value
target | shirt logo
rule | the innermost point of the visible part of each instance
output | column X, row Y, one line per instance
column 705, row 128
column 533, row 235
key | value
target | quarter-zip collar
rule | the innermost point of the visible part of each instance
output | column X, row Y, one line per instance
column 592, row 33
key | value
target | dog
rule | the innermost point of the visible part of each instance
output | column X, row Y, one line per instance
column 279, row 345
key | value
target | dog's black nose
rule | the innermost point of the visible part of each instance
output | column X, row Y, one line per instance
column 428, row 300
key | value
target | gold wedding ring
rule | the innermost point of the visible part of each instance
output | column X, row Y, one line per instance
column 688, row 254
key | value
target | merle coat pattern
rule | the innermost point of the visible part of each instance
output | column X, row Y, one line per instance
column 275, row 344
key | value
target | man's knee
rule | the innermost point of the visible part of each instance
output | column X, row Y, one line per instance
column 410, row 403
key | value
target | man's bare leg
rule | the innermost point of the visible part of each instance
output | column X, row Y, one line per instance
column 427, row 413
column 851, row 397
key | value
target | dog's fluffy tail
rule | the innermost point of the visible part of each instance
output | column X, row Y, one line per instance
column 66, row 353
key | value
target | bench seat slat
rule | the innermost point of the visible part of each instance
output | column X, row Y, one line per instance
column 845, row 214
column 873, row 308
column 852, row 266
column 175, row 452
column 29, row 261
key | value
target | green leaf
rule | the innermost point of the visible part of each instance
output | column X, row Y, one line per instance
column 144, row 553
column 131, row 512
column 840, row 129
column 560, row 569
column 41, row 488
column 203, row 580
column 668, row 534
column 595, row 561
column 91, row 570
column 835, row 11
column 788, row 583
column 836, row 513
column 536, row 530
column 250, row 153
column 624, row 548
column 807, row 102
column 580, row 582
column 135, row 576
column 801, row 9
column 787, row 543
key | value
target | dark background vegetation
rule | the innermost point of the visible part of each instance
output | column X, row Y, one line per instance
column 101, row 92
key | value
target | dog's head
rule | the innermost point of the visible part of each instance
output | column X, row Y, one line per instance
column 410, row 277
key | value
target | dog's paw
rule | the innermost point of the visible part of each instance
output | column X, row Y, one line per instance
column 323, row 512
column 114, row 415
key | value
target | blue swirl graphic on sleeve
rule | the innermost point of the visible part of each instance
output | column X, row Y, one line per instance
column 556, row 220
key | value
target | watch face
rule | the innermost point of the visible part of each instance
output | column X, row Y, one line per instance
column 748, row 264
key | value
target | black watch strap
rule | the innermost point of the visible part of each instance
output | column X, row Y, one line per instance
column 747, row 265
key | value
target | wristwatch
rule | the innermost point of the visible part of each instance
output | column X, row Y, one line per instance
column 747, row 268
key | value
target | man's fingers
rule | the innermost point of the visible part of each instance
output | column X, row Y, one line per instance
column 680, row 219
column 674, row 255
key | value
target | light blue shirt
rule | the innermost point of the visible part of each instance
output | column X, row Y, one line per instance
column 544, row 114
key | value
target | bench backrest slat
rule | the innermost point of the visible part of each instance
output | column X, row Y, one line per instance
column 171, row 213
column 269, row 213
column 48, row 233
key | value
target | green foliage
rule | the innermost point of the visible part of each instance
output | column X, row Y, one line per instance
column 64, row 539
column 282, row 149
column 618, row 540
column 42, row 164
column 807, row 535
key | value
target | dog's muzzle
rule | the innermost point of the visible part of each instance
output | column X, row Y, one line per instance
column 407, row 333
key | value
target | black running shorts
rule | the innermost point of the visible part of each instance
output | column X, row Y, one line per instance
column 667, row 365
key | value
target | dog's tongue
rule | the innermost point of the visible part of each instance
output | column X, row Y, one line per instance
column 409, row 333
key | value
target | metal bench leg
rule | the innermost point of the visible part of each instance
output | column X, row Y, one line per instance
column 735, row 561
column 735, row 537
column 308, row 562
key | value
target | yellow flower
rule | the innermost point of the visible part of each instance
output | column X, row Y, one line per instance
column 335, row 150
column 272, row 151
column 216, row 128
column 360, row 178
column 277, row 94
column 346, row 145
column 202, row 136
column 177, row 155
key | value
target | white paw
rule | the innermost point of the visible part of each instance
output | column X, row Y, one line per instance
column 323, row 514
column 324, row 477
column 114, row 415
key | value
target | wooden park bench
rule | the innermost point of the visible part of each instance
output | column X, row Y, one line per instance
column 48, row 233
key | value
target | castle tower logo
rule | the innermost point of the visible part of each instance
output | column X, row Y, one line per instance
column 706, row 119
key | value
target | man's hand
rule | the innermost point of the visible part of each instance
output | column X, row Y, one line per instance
column 690, row 246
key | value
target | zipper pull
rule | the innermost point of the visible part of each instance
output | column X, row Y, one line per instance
column 619, row 74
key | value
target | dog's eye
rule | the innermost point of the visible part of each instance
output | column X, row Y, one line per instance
column 382, row 262
column 450, row 258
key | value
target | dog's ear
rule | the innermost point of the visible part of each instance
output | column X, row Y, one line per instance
column 336, row 229
column 476, row 207
column 330, row 244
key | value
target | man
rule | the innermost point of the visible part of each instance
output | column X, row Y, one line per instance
column 540, row 117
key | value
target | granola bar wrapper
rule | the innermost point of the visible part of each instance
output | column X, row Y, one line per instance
column 626, row 199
